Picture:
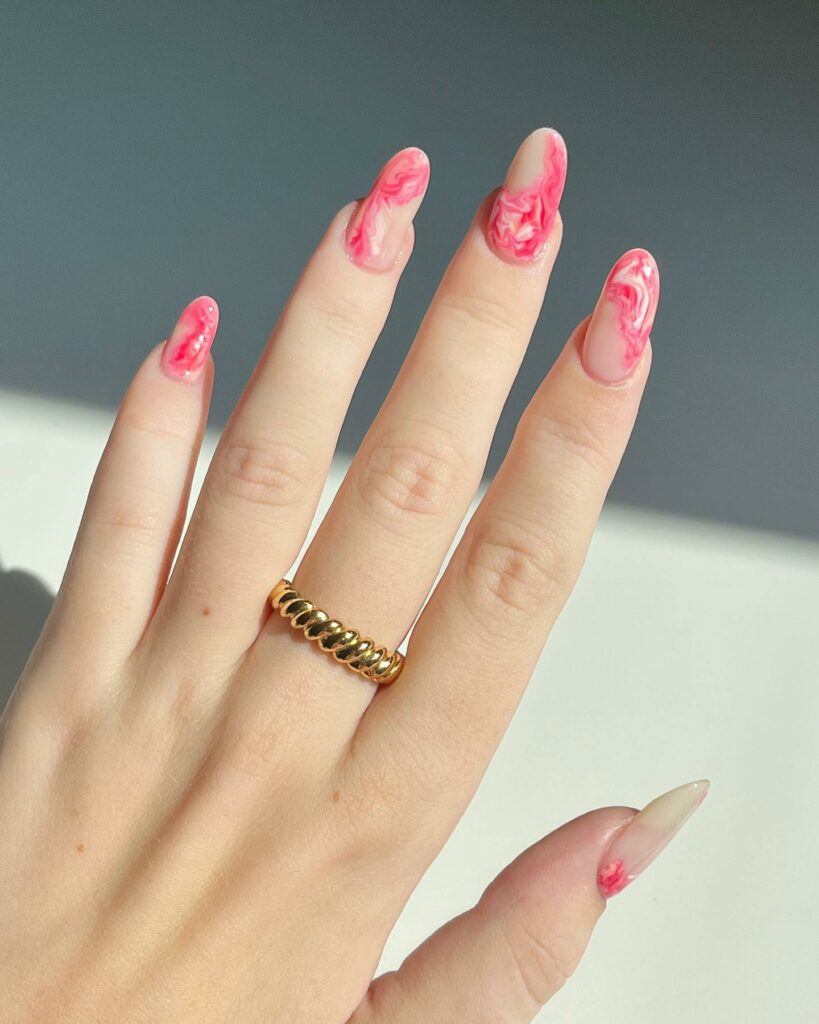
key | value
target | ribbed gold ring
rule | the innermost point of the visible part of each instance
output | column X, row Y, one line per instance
column 362, row 655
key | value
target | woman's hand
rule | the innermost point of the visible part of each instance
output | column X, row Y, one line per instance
column 207, row 818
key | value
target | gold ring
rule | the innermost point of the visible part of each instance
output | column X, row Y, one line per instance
column 362, row 655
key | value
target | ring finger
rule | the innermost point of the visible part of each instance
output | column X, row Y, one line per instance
column 378, row 551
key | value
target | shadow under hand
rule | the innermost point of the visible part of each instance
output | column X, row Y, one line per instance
column 24, row 606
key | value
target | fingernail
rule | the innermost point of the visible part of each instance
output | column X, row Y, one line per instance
column 623, row 319
column 637, row 844
column 378, row 227
column 186, row 351
column 525, row 208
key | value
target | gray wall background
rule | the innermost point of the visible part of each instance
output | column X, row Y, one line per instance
column 152, row 151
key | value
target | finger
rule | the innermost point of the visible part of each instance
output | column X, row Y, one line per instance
column 477, row 641
column 380, row 547
column 503, row 960
column 137, row 502
column 267, row 474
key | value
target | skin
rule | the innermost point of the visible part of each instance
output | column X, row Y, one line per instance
column 206, row 818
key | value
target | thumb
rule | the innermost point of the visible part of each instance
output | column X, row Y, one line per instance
column 505, row 958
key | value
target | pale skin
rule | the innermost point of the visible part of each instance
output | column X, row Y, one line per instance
column 205, row 818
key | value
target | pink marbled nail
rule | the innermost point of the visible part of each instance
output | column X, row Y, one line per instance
column 379, row 226
column 636, row 845
column 525, row 208
column 623, row 319
column 186, row 351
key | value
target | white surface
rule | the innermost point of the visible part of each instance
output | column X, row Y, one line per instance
column 687, row 650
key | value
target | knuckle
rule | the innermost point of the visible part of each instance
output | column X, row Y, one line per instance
column 378, row 800
column 574, row 436
column 62, row 715
column 135, row 423
column 253, row 750
column 540, row 964
column 511, row 568
column 140, row 524
column 362, row 823
column 398, row 478
column 267, row 473
column 375, row 807
column 473, row 312
column 256, row 742
column 338, row 315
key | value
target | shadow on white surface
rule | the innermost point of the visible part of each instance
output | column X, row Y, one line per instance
column 26, row 602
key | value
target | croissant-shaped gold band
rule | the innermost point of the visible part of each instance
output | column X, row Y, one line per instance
column 362, row 655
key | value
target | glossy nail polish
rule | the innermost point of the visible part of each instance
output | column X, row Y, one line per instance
column 623, row 319
column 525, row 208
column 186, row 351
column 636, row 845
column 380, row 223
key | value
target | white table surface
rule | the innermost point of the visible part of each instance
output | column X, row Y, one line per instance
column 687, row 650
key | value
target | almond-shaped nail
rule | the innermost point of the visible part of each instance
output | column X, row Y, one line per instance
column 623, row 319
column 636, row 845
column 379, row 225
column 525, row 208
column 186, row 351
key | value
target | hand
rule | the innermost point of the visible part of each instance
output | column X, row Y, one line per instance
column 207, row 817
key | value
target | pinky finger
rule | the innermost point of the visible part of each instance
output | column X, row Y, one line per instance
column 505, row 959
column 136, row 506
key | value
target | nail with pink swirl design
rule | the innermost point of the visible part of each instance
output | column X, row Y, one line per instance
column 525, row 208
column 378, row 228
column 622, row 321
column 186, row 351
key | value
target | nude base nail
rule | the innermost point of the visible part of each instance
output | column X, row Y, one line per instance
column 636, row 845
